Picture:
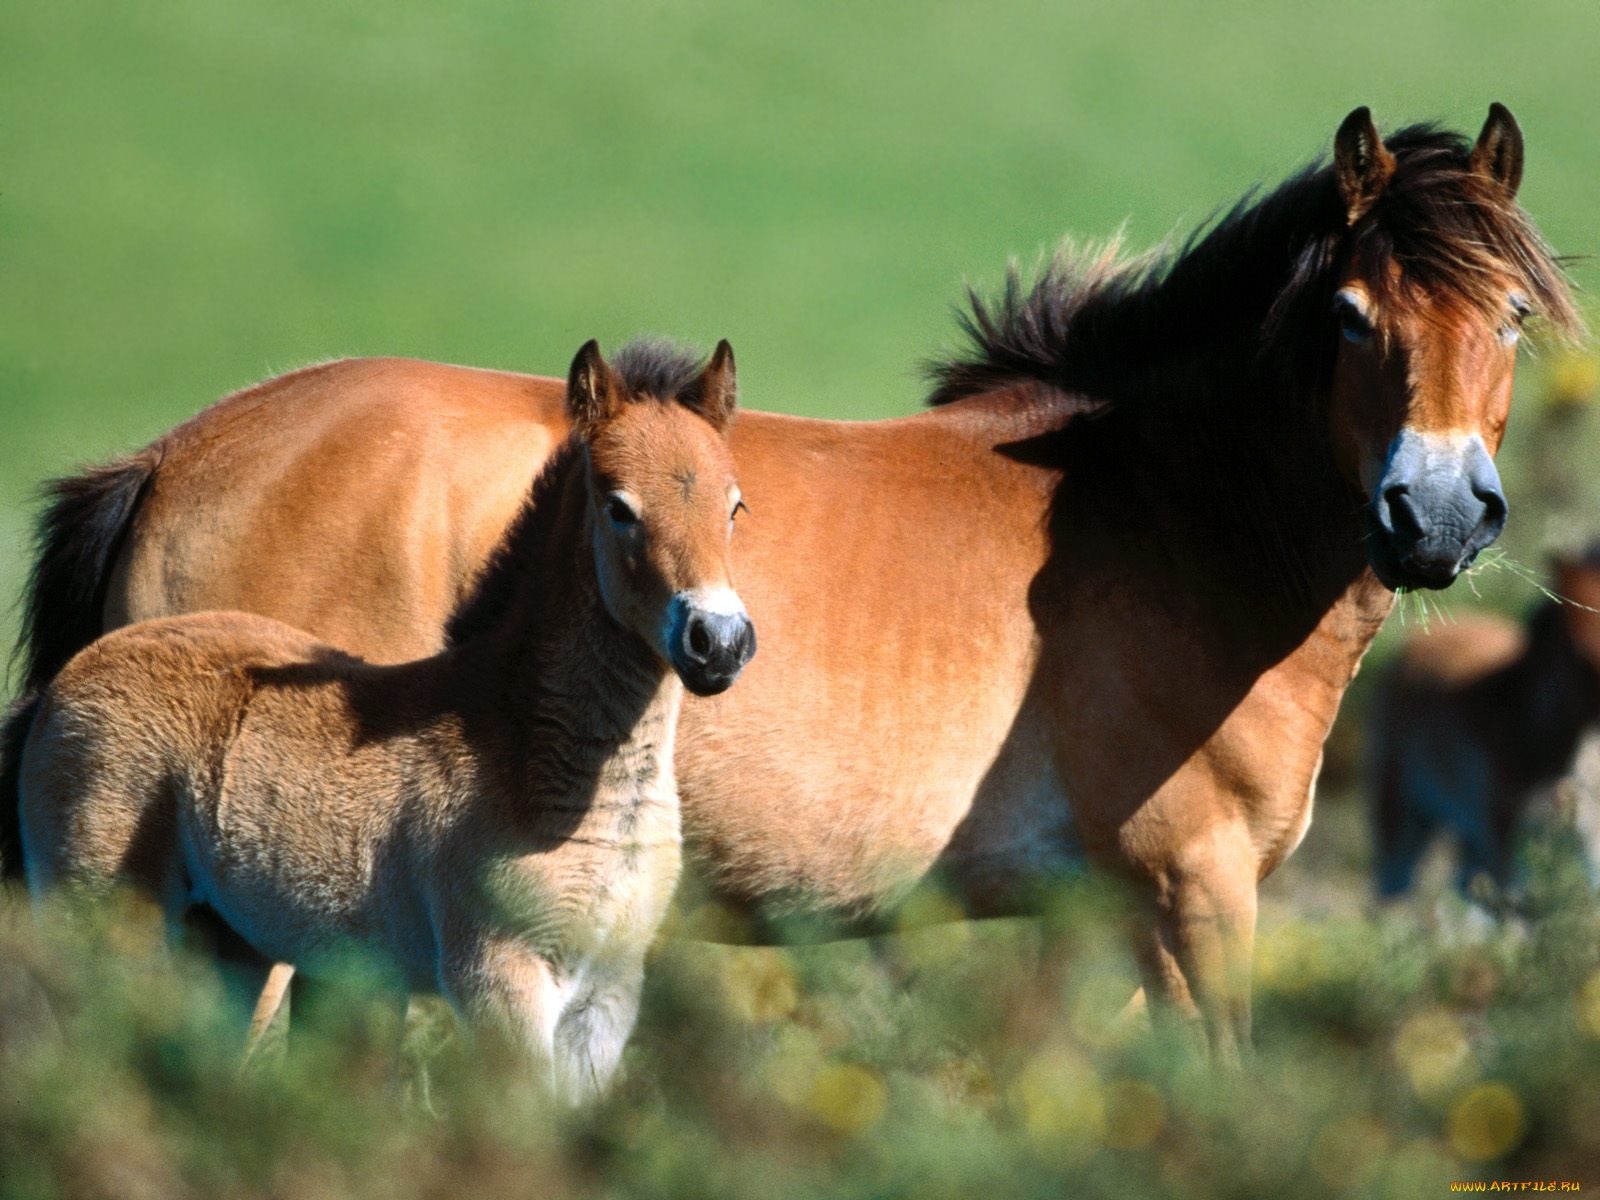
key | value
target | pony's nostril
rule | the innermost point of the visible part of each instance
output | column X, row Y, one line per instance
column 1402, row 518
column 1494, row 505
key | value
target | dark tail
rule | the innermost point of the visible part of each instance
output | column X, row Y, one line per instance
column 76, row 541
column 12, row 736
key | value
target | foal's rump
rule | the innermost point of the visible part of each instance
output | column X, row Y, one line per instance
column 129, row 747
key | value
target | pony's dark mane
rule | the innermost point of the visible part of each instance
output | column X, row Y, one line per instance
column 1263, row 273
column 652, row 370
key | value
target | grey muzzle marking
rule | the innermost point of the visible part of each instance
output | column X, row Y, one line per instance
column 1437, row 505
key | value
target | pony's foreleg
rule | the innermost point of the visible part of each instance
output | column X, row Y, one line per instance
column 1199, row 958
column 593, row 1031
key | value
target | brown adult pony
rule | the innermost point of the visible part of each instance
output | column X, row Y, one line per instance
column 1102, row 599
column 1473, row 720
column 499, row 821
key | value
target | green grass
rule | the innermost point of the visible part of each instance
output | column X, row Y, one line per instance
column 1389, row 1062
column 195, row 195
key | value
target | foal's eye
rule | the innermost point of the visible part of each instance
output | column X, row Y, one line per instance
column 1354, row 326
column 620, row 511
column 739, row 506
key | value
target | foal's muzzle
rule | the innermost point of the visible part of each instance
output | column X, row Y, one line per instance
column 1437, row 505
column 709, row 639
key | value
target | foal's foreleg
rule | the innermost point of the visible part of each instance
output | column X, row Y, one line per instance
column 593, row 1031
column 508, row 989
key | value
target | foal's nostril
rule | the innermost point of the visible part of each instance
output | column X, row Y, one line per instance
column 699, row 640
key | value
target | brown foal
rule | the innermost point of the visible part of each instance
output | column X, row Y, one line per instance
column 499, row 821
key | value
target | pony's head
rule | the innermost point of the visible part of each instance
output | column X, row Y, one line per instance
column 1435, row 273
column 662, row 499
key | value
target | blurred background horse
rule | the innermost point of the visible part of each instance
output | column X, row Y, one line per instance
column 1476, row 721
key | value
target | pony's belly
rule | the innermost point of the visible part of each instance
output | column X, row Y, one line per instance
column 1019, row 841
column 860, row 829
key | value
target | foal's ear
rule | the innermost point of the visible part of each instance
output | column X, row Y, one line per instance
column 593, row 389
column 1498, row 154
column 1361, row 163
column 715, row 393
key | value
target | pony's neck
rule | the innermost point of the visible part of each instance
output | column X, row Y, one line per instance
column 1212, row 321
column 1218, row 407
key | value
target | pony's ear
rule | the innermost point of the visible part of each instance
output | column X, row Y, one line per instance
column 1498, row 154
column 1361, row 163
column 715, row 393
column 593, row 389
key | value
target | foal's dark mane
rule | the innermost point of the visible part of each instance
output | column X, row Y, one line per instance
column 652, row 370
column 1257, row 284
column 658, row 367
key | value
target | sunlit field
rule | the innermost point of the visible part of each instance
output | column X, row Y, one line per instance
column 194, row 196
column 1389, row 1063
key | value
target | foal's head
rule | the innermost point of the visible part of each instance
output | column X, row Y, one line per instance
column 1438, row 271
column 662, row 499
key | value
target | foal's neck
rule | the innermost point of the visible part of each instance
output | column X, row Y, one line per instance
column 582, row 696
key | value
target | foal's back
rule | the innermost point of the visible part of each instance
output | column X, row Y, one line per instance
column 219, row 758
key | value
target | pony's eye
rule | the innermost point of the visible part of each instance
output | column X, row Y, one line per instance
column 739, row 506
column 620, row 511
column 1521, row 310
column 1354, row 326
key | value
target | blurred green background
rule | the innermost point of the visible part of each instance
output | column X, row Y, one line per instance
column 196, row 195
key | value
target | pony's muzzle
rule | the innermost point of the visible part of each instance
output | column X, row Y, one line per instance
column 1436, row 507
column 711, row 639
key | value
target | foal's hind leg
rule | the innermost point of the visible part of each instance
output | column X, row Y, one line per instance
column 274, row 995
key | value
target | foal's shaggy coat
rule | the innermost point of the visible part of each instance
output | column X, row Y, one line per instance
column 500, row 820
